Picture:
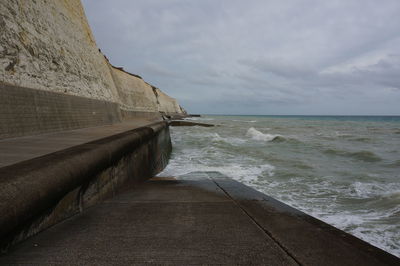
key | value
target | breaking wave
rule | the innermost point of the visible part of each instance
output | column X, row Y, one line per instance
column 245, row 173
column 215, row 137
column 258, row 135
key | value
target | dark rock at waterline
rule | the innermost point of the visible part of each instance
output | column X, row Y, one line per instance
column 278, row 139
column 181, row 123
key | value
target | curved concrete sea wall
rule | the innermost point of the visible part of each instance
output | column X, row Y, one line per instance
column 38, row 193
column 48, row 46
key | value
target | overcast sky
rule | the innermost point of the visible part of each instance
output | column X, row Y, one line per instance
column 259, row 56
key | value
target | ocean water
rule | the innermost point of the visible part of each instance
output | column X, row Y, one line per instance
column 342, row 170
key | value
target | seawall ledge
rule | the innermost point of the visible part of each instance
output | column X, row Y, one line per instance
column 40, row 192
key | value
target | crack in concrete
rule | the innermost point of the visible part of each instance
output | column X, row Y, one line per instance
column 286, row 250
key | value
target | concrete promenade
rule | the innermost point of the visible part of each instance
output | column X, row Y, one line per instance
column 14, row 150
column 203, row 219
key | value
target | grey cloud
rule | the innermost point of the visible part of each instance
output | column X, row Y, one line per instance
column 277, row 67
column 157, row 70
column 278, row 56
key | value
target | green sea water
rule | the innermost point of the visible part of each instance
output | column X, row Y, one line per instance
column 344, row 170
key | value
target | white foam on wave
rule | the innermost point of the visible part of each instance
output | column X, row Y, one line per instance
column 364, row 190
column 214, row 158
column 215, row 137
column 383, row 237
column 324, row 199
column 247, row 174
column 360, row 222
column 258, row 135
column 369, row 189
column 362, row 225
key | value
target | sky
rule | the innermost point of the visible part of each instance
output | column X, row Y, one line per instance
column 271, row 57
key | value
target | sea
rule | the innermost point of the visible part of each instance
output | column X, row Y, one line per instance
column 344, row 170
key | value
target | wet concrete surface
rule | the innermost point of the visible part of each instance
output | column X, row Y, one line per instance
column 203, row 219
column 14, row 150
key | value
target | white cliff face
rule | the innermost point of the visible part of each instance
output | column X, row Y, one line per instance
column 48, row 45
column 167, row 104
column 137, row 95
column 134, row 94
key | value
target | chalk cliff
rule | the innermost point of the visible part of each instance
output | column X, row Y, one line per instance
column 49, row 46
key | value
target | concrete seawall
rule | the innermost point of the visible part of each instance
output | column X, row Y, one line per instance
column 41, row 192
column 26, row 111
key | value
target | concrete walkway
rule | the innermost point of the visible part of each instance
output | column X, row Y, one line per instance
column 19, row 149
column 203, row 219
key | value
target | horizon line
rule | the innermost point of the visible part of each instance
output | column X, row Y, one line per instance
column 291, row 115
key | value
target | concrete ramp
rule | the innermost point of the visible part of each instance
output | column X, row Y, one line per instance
column 204, row 218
